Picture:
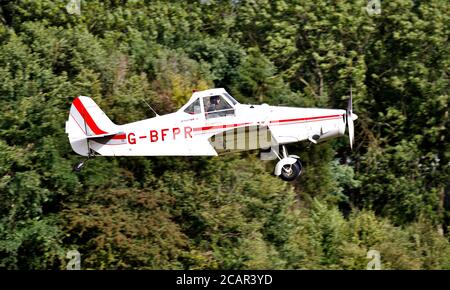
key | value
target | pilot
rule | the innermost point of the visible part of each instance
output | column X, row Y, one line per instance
column 214, row 103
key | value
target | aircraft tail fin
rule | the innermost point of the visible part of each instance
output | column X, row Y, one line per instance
column 88, row 122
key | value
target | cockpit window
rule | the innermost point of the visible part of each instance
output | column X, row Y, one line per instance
column 217, row 106
column 194, row 108
column 232, row 100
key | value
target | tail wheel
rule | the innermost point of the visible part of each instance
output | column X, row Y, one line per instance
column 290, row 172
column 78, row 166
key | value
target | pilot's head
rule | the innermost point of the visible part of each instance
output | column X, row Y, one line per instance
column 215, row 100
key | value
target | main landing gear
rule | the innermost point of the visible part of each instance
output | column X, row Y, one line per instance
column 289, row 167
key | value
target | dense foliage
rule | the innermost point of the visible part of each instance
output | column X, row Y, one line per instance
column 391, row 194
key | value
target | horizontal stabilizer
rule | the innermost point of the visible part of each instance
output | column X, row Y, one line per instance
column 93, row 137
column 110, row 139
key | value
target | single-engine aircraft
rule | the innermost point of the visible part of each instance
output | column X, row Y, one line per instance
column 211, row 123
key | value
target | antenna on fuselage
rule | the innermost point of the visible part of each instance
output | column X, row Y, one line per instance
column 150, row 108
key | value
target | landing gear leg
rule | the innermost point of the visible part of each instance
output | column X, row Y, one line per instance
column 289, row 167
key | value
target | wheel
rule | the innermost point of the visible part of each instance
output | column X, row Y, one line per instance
column 78, row 166
column 291, row 172
column 300, row 166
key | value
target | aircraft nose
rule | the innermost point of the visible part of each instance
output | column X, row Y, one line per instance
column 354, row 116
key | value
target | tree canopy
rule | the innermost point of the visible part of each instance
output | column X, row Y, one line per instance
column 390, row 194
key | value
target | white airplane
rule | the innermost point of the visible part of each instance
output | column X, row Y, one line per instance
column 211, row 123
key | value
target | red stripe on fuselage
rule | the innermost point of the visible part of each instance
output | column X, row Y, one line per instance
column 219, row 127
column 276, row 122
column 87, row 117
column 304, row 119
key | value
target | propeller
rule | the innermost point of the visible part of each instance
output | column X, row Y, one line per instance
column 350, row 118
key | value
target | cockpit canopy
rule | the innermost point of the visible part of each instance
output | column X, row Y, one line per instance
column 212, row 103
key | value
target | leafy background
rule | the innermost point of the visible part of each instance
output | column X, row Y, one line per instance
column 390, row 194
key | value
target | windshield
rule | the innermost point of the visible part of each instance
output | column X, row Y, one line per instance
column 232, row 100
column 217, row 106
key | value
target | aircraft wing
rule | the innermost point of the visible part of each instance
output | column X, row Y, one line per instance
column 250, row 137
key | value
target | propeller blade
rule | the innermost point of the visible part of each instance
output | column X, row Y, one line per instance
column 351, row 130
column 350, row 115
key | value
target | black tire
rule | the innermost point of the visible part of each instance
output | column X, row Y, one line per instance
column 300, row 166
column 78, row 166
column 293, row 173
